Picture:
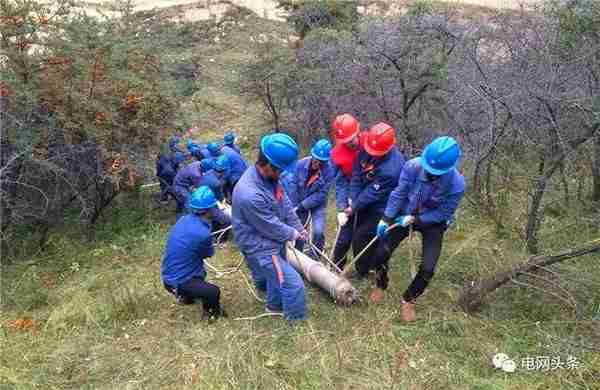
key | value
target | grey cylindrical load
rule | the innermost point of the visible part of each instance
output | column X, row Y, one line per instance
column 339, row 288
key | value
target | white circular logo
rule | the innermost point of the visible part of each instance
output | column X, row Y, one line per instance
column 509, row 366
column 498, row 359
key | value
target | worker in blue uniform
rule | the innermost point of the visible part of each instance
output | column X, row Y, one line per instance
column 236, row 168
column 229, row 141
column 310, row 187
column 425, row 199
column 374, row 175
column 264, row 221
column 188, row 245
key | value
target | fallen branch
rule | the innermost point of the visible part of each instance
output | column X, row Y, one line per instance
column 474, row 294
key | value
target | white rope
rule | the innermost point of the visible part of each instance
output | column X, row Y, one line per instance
column 337, row 237
column 227, row 271
column 221, row 231
column 332, row 291
column 411, row 254
column 315, row 248
column 251, row 289
column 267, row 314
column 357, row 257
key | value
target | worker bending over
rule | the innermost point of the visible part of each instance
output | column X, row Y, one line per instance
column 374, row 175
column 264, row 220
column 229, row 141
column 191, row 177
column 309, row 190
column 188, row 244
column 237, row 167
column 428, row 193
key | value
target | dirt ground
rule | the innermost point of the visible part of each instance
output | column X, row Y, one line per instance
column 267, row 8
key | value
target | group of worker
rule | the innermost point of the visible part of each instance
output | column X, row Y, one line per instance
column 380, row 197
column 216, row 165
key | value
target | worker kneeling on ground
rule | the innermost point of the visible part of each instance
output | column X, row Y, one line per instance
column 264, row 220
column 428, row 193
column 374, row 176
column 310, row 186
column 189, row 243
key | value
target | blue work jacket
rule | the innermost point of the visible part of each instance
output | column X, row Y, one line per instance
column 188, row 244
column 262, row 215
column 373, row 179
column 430, row 201
column 311, row 196
column 237, row 164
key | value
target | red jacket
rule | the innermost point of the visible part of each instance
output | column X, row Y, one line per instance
column 343, row 156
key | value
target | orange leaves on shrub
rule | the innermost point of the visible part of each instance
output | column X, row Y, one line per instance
column 116, row 165
column 100, row 117
column 22, row 324
column 58, row 60
column 43, row 20
column 132, row 102
column 4, row 91
column 23, row 44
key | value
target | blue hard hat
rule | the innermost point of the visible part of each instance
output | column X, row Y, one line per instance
column 321, row 150
column 179, row 157
column 201, row 199
column 213, row 148
column 440, row 156
column 190, row 145
column 206, row 164
column 229, row 138
column 280, row 149
column 221, row 163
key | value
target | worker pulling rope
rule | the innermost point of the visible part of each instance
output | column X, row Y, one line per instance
column 346, row 270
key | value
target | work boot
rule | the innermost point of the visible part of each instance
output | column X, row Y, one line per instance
column 182, row 300
column 274, row 310
column 377, row 295
column 408, row 311
column 213, row 314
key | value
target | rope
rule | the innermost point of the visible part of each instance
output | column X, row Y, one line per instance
column 357, row 257
column 221, row 273
column 221, row 231
column 315, row 248
column 332, row 291
column 337, row 236
column 251, row 289
column 411, row 253
column 267, row 314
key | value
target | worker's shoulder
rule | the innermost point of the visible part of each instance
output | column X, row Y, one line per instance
column 458, row 181
column 192, row 225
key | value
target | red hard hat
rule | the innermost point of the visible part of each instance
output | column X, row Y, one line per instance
column 380, row 139
column 345, row 127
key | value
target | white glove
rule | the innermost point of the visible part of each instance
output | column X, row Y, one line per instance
column 220, row 205
column 302, row 236
column 405, row 220
column 342, row 218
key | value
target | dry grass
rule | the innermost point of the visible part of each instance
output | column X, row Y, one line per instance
column 101, row 319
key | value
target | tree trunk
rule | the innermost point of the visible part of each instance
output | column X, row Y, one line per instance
column 596, row 170
column 474, row 294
